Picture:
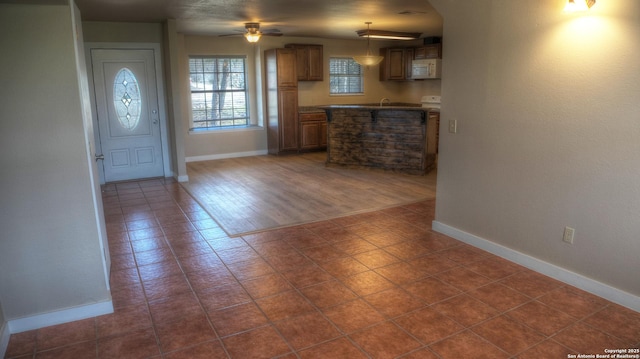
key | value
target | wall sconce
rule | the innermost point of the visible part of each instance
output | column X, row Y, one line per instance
column 579, row 5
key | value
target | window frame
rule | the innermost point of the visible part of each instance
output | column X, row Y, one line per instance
column 345, row 75
column 245, row 90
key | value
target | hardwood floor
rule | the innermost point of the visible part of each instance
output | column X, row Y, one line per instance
column 251, row 194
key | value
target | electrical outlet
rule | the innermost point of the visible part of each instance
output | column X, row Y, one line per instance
column 453, row 126
column 568, row 235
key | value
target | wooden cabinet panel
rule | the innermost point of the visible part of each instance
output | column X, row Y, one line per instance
column 288, row 108
column 396, row 65
column 282, row 100
column 309, row 135
column 316, row 63
column 309, row 61
column 313, row 131
column 323, row 134
column 287, row 71
column 432, row 51
column 302, row 59
column 408, row 63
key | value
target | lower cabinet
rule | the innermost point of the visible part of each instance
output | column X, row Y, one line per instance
column 313, row 131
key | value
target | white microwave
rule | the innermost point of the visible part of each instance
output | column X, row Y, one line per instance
column 426, row 69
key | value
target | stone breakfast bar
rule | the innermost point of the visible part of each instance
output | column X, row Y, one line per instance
column 396, row 138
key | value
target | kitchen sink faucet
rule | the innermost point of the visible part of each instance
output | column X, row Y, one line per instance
column 383, row 101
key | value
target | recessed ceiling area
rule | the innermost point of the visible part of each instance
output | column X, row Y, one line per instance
column 304, row 18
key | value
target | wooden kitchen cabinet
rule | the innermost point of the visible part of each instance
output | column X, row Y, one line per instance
column 282, row 101
column 309, row 61
column 396, row 65
column 313, row 131
column 431, row 51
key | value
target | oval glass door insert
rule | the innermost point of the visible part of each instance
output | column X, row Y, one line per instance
column 126, row 98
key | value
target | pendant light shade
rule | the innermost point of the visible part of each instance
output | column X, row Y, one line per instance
column 368, row 59
column 253, row 32
column 252, row 37
column 578, row 5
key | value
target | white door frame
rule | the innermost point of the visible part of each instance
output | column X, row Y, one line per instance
column 162, row 99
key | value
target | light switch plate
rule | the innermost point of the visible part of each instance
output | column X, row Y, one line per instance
column 453, row 126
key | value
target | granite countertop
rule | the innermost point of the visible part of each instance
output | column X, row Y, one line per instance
column 368, row 106
column 310, row 109
column 375, row 106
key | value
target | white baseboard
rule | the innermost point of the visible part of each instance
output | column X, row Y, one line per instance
column 579, row 281
column 225, row 155
column 4, row 339
column 59, row 317
column 184, row 178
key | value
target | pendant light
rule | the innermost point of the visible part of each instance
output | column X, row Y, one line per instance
column 368, row 59
column 579, row 5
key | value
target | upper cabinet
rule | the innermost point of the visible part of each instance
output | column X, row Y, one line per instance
column 431, row 51
column 286, row 68
column 309, row 61
column 396, row 65
column 397, row 62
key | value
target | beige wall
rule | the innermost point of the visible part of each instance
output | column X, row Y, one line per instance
column 549, row 132
column 50, row 255
column 100, row 31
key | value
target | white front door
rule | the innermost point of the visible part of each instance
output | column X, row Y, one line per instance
column 128, row 114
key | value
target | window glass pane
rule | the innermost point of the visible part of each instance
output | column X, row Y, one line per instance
column 218, row 92
column 126, row 98
column 345, row 76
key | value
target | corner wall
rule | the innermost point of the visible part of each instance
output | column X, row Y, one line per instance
column 548, row 118
column 51, row 262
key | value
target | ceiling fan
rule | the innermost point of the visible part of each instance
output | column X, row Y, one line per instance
column 253, row 33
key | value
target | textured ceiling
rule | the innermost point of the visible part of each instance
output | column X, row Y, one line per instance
column 306, row 18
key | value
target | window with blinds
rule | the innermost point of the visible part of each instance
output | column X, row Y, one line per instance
column 345, row 76
column 218, row 92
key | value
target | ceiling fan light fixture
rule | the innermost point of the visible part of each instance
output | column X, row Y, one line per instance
column 252, row 36
column 368, row 59
column 253, row 33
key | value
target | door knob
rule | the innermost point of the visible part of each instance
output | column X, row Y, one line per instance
column 99, row 157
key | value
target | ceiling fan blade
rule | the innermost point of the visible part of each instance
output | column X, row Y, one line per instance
column 254, row 27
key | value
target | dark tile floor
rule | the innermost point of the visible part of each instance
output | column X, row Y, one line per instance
column 375, row 285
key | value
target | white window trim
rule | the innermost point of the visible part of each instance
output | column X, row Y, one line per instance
column 250, row 125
